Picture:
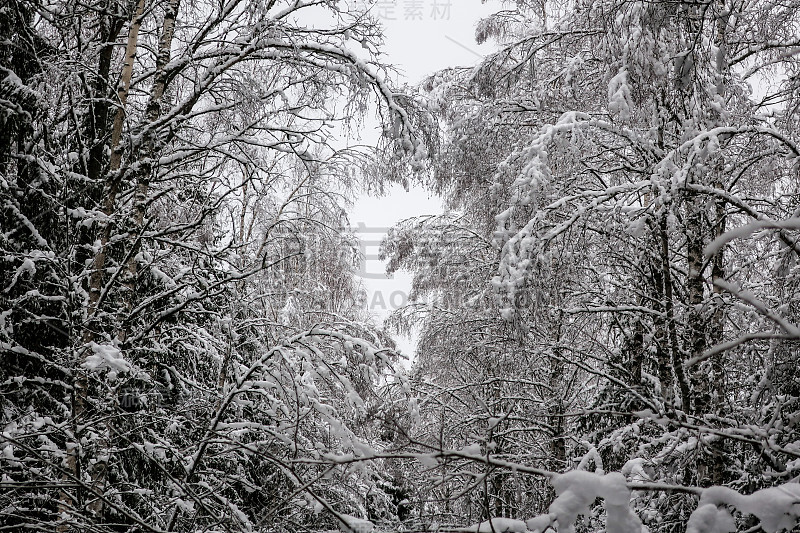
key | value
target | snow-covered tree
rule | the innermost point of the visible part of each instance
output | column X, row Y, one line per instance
column 620, row 157
column 184, row 346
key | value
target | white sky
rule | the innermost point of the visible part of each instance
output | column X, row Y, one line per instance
column 419, row 42
column 422, row 36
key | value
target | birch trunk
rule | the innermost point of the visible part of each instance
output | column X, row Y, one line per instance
column 99, row 472
column 148, row 155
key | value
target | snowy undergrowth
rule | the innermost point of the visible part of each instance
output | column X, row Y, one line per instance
column 777, row 508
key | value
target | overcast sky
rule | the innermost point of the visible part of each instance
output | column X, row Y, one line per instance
column 422, row 36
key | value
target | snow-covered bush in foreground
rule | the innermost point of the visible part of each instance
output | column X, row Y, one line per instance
column 776, row 508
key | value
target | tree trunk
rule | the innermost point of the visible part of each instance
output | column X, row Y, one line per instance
column 696, row 316
column 97, row 130
column 148, row 155
column 672, row 358
column 557, row 460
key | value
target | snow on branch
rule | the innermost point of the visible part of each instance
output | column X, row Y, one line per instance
column 760, row 306
column 749, row 229
column 777, row 508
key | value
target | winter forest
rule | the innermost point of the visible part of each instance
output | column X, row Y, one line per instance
column 606, row 313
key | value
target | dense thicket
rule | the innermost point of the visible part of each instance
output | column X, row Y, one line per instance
column 614, row 288
column 607, row 312
column 184, row 346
